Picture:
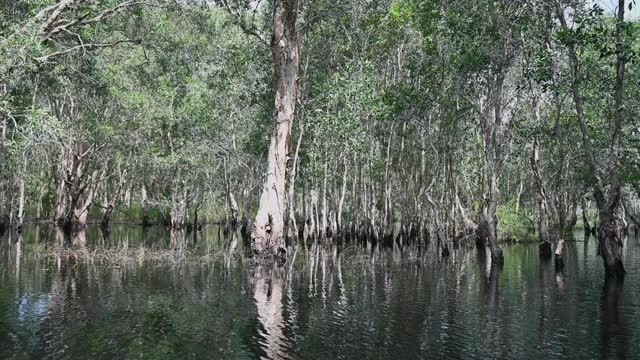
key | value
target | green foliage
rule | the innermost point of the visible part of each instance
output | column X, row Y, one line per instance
column 395, row 94
column 514, row 225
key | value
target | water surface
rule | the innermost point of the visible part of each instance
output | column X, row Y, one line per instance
column 352, row 302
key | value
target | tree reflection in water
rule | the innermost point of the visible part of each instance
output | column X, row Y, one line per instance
column 613, row 328
column 267, row 291
column 352, row 301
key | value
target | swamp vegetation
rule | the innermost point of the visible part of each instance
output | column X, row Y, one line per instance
column 415, row 138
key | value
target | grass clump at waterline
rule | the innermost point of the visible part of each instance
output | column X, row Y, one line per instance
column 143, row 254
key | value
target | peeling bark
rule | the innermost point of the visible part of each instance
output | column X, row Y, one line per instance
column 268, row 231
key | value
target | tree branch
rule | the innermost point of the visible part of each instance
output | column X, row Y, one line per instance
column 248, row 29
column 84, row 47
column 81, row 20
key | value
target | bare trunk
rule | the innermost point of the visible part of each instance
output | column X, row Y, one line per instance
column 468, row 223
column 127, row 197
column 316, row 212
column 268, row 231
column 312, row 213
column 543, row 203
column 634, row 216
column 610, row 236
column 323, row 212
column 60, row 217
column 231, row 200
column 585, row 220
column 145, row 206
column 77, row 186
column 3, row 171
column 23, row 175
column 106, row 217
column 573, row 216
column 177, row 210
column 440, row 233
column 290, row 216
column 387, row 186
column 21, row 204
column 490, row 220
column 81, row 213
column 520, row 191
column 559, row 260
column 233, row 206
column 342, row 195
column 119, row 194
column 41, row 192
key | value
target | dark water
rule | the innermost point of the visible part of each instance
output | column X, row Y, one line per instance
column 352, row 303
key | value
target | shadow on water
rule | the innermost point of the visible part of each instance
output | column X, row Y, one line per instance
column 356, row 300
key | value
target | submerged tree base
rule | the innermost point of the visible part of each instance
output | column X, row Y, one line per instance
column 559, row 262
column 498, row 258
column 269, row 256
column 614, row 271
column 544, row 250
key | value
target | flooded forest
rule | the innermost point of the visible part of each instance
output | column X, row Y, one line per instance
column 319, row 179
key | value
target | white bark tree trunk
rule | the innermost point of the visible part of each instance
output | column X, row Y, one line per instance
column 268, row 230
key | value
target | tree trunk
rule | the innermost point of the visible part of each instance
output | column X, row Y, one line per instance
column 127, row 196
column 41, row 192
column 440, row 234
column 573, row 217
column 178, row 210
column 106, row 217
column 290, row 218
column 118, row 195
column 342, row 195
column 268, row 230
column 520, row 191
column 585, row 220
column 559, row 259
column 634, row 215
column 81, row 213
column 233, row 206
column 196, row 224
column 231, row 200
column 387, row 186
column 145, row 206
column 609, row 228
column 60, row 217
column 493, row 136
column 490, row 221
column 3, row 207
column 324, row 210
column 21, row 205
column 543, row 203
column 23, row 175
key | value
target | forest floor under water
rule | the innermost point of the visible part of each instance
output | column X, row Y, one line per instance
column 136, row 293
